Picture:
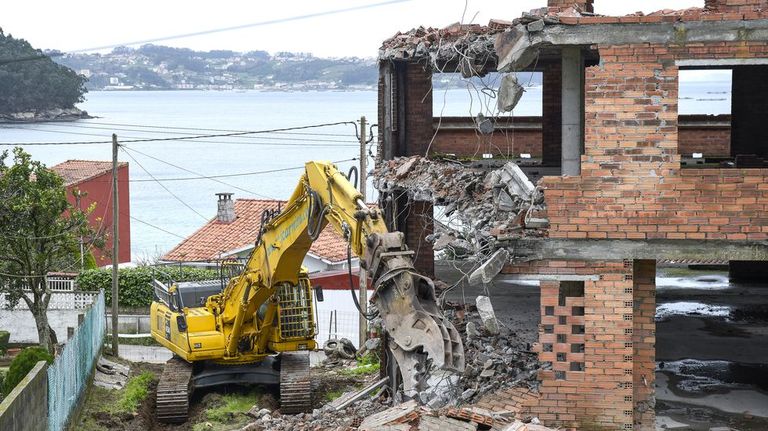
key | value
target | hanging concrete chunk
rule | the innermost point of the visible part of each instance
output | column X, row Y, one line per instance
column 487, row 315
column 490, row 268
column 510, row 92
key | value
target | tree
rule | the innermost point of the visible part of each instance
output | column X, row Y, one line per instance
column 36, row 84
column 39, row 233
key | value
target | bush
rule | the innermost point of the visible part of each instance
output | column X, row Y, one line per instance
column 135, row 284
column 22, row 364
column 4, row 337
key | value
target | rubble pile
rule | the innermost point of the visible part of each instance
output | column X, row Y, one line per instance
column 496, row 358
column 489, row 205
column 370, row 415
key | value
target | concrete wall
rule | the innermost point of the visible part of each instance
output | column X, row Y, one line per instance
column 26, row 407
column 21, row 324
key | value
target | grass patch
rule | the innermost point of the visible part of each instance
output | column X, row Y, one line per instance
column 229, row 410
column 332, row 395
column 136, row 390
column 368, row 364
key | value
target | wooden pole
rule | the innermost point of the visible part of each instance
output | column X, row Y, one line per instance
column 115, row 244
column 362, row 275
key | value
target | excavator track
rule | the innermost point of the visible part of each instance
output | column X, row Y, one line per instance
column 295, row 383
column 172, row 402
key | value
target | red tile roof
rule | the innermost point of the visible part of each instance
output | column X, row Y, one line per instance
column 216, row 238
column 77, row 171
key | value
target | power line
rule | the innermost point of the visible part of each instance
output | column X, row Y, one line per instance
column 166, row 188
column 154, row 226
column 174, row 132
column 242, row 26
column 213, row 177
column 201, row 129
column 277, row 138
column 179, row 138
column 201, row 176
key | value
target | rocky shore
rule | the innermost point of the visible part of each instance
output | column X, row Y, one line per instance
column 43, row 115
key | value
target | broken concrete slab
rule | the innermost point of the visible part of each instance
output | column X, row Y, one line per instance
column 402, row 413
column 486, row 272
column 110, row 375
column 443, row 423
column 510, row 92
column 487, row 315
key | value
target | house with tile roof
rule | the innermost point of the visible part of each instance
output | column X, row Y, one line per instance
column 89, row 182
column 233, row 232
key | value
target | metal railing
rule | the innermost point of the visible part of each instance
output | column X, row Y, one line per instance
column 69, row 373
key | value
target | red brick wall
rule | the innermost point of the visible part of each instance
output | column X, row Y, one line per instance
column 419, row 224
column 524, row 135
column 558, row 5
column 513, row 136
column 418, row 108
column 736, row 5
column 696, row 136
column 602, row 394
column 631, row 184
column 98, row 191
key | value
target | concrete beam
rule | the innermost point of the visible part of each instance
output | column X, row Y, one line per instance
column 539, row 249
column 517, row 47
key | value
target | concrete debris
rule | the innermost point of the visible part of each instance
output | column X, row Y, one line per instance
column 504, row 353
column 371, row 345
column 485, row 308
column 110, row 375
column 485, row 273
column 510, row 91
column 401, row 413
column 444, row 423
column 487, row 205
column 484, row 124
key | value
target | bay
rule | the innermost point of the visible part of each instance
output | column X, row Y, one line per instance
column 166, row 220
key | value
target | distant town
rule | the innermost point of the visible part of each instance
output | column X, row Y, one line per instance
column 156, row 67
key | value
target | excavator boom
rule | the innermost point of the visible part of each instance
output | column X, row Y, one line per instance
column 267, row 309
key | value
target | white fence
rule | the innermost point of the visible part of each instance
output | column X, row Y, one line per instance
column 59, row 301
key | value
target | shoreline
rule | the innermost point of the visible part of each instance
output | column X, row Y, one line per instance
column 46, row 115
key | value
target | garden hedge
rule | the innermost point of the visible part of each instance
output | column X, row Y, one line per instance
column 135, row 284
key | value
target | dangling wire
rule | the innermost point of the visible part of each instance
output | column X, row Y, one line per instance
column 316, row 213
column 367, row 316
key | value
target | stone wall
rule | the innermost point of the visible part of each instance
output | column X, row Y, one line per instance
column 26, row 407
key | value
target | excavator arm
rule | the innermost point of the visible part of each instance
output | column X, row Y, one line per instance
column 420, row 339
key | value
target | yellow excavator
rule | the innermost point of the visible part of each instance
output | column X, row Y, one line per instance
column 260, row 327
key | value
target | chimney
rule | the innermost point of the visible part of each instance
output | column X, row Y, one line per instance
column 737, row 6
column 226, row 211
column 560, row 5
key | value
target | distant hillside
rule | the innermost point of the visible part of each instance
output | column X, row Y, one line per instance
column 155, row 67
column 34, row 86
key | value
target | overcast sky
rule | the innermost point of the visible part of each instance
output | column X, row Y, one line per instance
column 84, row 24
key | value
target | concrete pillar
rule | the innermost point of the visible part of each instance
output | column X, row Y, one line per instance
column 573, row 110
column 643, row 343
column 748, row 111
column 748, row 271
column 551, row 115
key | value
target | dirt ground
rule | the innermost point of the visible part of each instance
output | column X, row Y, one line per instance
column 217, row 409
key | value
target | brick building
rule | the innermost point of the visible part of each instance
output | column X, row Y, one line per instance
column 614, row 158
column 89, row 182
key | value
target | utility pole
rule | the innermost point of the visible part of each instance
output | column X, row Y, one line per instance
column 362, row 274
column 115, row 245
